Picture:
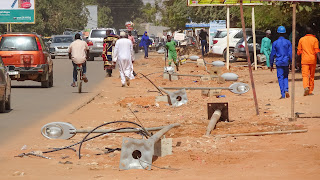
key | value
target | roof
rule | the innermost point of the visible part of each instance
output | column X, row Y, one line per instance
column 63, row 36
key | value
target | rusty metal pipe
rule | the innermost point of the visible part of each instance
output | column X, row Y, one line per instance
column 193, row 75
column 160, row 133
column 194, row 88
column 213, row 121
column 120, row 131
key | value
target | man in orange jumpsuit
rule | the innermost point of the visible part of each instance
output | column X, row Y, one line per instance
column 308, row 48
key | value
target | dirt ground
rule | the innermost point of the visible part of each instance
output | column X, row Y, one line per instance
column 195, row 156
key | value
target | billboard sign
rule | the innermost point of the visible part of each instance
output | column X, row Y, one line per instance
column 17, row 12
column 236, row 2
column 214, row 26
column 222, row 2
column 197, row 25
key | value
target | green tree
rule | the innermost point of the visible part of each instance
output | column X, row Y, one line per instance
column 122, row 10
column 104, row 17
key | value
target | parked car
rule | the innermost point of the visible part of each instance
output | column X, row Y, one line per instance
column 5, row 88
column 240, row 50
column 27, row 58
column 220, row 41
column 95, row 41
column 60, row 45
column 152, row 46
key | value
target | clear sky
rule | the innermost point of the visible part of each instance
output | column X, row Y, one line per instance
column 148, row 1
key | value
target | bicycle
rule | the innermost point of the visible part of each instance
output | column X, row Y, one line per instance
column 79, row 77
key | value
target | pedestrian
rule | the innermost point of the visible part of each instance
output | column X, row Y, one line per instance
column 130, row 37
column 171, row 52
column 203, row 39
column 282, row 55
column 145, row 42
column 266, row 47
column 108, row 44
column 78, row 53
column 124, row 55
column 308, row 48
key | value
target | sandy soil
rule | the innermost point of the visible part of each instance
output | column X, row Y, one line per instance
column 195, row 156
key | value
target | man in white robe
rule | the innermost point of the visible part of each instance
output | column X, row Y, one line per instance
column 123, row 55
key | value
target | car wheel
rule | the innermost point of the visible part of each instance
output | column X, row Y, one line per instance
column 2, row 105
column 53, row 57
column 232, row 58
column 8, row 103
column 45, row 84
column 51, row 79
column 91, row 58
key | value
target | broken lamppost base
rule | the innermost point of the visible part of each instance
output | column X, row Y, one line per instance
column 138, row 153
column 216, row 112
column 176, row 98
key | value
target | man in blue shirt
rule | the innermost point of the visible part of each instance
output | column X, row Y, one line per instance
column 281, row 54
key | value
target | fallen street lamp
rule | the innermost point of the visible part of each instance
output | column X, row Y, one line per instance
column 63, row 130
column 237, row 88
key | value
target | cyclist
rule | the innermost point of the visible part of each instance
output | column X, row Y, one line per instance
column 78, row 53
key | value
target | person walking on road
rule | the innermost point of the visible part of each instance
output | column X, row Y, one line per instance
column 130, row 37
column 203, row 39
column 124, row 55
column 172, row 53
column 266, row 47
column 308, row 48
column 282, row 55
column 108, row 44
column 78, row 53
column 145, row 42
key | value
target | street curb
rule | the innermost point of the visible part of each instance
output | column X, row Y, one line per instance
column 85, row 103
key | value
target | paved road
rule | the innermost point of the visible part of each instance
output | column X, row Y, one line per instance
column 30, row 102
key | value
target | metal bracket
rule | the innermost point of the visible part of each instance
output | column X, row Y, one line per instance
column 177, row 98
column 138, row 153
column 219, row 106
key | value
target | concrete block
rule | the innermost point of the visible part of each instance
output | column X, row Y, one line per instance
column 173, row 77
column 221, row 80
column 210, row 93
column 215, row 71
column 206, row 78
column 162, row 99
column 200, row 62
column 163, row 147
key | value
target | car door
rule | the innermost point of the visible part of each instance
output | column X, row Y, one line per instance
column 46, row 55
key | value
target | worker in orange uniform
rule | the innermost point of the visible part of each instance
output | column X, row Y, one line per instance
column 308, row 48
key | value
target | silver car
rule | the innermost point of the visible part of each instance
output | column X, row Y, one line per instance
column 95, row 41
column 5, row 88
column 60, row 45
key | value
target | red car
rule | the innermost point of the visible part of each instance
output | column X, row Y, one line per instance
column 27, row 58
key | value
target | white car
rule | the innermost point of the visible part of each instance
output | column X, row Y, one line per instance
column 220, row 41
column 95, row 41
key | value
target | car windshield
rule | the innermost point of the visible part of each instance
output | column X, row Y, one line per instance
column 18, row 43
column 221, row 34
column 99, row 33
column 63, row 39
